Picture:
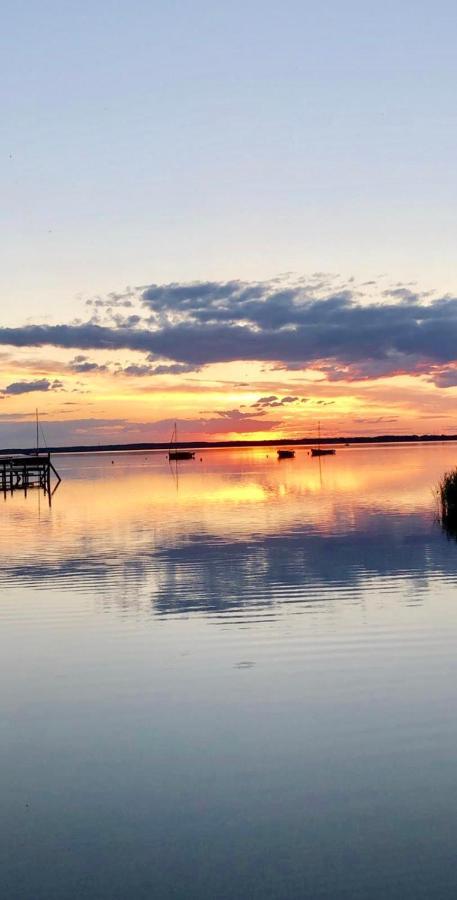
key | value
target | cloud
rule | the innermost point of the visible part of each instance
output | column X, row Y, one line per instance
column 375, row 420
column 28, row 387
column 138, row 371
column 238, row 416
column 175, row 369
column 84, row 368
column 266, row 401
column 113, row 299
column 272, row 401
column 291, row 325
column 294, row 326
column 446, row 378
column 16, row 430
column 83, row 365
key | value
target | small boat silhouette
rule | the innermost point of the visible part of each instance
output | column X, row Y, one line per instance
column 321, row 451
column 286, row 454
column 174, row 453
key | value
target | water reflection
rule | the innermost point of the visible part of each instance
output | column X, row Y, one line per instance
column 236, row 529
column 234, row 684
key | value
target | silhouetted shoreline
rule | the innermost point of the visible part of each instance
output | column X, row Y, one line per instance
column 271, row 442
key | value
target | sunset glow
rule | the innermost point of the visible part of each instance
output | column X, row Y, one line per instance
column 134, row 365
column 228, row 232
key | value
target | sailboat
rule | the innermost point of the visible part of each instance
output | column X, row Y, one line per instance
column 174, row 453
column 321, row 451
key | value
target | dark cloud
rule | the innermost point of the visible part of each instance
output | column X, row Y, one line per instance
column 174, row 369
column 366, row 370
column 28, row 387
column 266, row 401
column 113, row 299
column 446, row 378
column 404, row 293
column 126, row 321
column 141, row 370
column 137, row 371
column 272, row 401
column 83, row 368
column 291, row 326
column 83, row 365
column 236, row 415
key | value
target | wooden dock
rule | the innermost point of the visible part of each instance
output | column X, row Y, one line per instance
column 20, row 472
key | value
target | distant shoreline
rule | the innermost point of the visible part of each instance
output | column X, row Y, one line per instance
column 218, row 445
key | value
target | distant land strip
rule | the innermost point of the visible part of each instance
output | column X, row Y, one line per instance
column 209, row 445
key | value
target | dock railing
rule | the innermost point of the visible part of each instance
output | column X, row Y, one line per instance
column 21, row 472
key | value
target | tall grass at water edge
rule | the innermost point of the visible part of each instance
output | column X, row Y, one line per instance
column 447, row 493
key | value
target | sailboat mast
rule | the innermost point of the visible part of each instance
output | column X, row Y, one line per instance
column 173, row 438
column 37, row 432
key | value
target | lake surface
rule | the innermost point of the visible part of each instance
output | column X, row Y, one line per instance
column 235, row 679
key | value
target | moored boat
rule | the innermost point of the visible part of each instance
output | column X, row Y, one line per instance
column 174, row 454
column 321, row 451
column 286, row 454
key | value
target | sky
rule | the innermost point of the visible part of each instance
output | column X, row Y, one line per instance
column 239, row 216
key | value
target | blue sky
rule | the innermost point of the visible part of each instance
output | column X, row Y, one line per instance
column 171, row 141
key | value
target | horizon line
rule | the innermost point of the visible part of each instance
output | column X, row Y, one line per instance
column 241, row 443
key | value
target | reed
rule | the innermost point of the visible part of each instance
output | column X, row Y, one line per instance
column 447, row 492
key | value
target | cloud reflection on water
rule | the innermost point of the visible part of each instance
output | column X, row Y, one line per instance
column 236, row 532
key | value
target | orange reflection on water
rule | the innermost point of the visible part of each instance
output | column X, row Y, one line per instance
column 220, row 493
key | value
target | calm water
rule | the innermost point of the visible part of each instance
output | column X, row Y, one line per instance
column 234, row 681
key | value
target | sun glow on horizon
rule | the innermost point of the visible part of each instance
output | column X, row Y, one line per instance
column 107, row 395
